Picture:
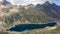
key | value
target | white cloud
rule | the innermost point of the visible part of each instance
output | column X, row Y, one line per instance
column 23, row 2
column 0, row 0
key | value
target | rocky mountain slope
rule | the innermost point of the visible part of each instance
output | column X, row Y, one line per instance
column 44, row 13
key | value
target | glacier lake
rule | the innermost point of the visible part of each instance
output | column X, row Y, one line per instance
column 24, row 27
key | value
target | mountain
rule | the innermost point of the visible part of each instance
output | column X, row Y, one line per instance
column 46, row 3
column 51, row 10
column 4, row 2
column 47, row 12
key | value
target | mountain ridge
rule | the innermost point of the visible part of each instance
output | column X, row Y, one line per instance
column 44, row 13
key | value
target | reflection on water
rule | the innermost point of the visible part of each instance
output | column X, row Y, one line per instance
column 23, row 27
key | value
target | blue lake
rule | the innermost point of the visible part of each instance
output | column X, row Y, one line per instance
column 23, row 27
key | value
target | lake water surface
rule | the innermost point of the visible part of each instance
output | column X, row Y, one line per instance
column 23, row 27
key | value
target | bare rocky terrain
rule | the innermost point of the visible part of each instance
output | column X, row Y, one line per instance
column 11, row 15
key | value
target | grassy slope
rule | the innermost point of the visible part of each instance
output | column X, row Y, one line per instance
column 1, row 32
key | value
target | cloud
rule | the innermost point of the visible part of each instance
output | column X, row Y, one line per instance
column 0, row 0
column 24, row 2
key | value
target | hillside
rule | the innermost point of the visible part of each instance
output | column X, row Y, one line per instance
column 12, row 15
column 44, row 13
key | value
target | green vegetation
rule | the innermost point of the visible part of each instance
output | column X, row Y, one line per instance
column 38, row 31
column 2, row 32
column 7, row 25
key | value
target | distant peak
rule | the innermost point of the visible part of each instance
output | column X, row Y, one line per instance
column 5, row 2
column 47, row 3
column 30, row 5
column 38, row 5
column 53, row 3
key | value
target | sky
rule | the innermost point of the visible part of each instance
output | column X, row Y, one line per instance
column 25, row 2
